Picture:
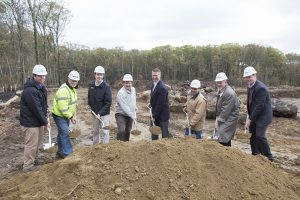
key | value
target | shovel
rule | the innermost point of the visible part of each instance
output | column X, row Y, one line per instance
column 246, row 123
column 187, row 119
column 49, row 147
column 75, row 132
column 110, row 127
column 135, row 131
column 155, row 130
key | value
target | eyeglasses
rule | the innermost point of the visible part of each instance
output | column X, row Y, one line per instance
column 194, row 88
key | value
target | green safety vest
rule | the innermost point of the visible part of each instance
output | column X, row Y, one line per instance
column 65, row 101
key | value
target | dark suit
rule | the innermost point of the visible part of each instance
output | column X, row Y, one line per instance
column 160, row 108
column 260, row 113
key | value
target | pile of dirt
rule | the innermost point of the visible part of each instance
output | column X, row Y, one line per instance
column 167, row 169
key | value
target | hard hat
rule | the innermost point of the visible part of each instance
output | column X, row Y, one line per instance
column 248, row 71
column 195, row 84
column 99, row 69
column 127, row 77
column 221, row 77
column 39, row 70
column 74, row 75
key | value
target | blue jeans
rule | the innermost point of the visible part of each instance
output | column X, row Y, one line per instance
column 197, row 133
column 63, row 139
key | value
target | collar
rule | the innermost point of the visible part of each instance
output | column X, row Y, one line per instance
column 251, row 85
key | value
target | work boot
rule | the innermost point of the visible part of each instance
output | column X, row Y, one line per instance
column 59, row 155
column 30, row 168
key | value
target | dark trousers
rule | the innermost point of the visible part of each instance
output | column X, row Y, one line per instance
column 164, row 129
column 258, row 141
column 124, row 124
column 227, row 144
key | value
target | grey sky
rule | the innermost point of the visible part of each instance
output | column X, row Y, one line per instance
column 146, row 24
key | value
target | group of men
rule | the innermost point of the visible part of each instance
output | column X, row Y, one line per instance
column 34, row 112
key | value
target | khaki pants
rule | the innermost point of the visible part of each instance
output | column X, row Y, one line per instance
column 33, row 141
column 96, row 132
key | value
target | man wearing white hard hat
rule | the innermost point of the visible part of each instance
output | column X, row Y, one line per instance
column 259, row 113
column 63, row 111
column 196, row 110
column 99, row 100
column 125, row 108
column 227, row 110
column 33, row 115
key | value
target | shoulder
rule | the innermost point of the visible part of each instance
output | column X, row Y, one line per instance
column 201, row 98
column 260, row 86
column 29, row 91
column 162, row 85
column 106, row 85
column 229, row 91
column 91, row 83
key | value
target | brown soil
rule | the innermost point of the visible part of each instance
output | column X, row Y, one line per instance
column 174, row 169
column 168, row 169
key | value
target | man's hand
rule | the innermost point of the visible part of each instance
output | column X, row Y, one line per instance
column 73, row 120
column 248, row 121
column 48, row 125
column 98, row 117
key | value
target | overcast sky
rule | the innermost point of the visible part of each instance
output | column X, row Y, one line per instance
column 144, row 24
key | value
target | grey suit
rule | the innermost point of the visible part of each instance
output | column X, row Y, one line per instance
column 227, row 112
column 260, row 113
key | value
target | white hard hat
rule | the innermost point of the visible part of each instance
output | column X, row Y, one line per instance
column 99, row 69
column 74, row 75
column 248, row 71
column 127, row 77
column 221, row 77
column 195, row 84
column 39, row 70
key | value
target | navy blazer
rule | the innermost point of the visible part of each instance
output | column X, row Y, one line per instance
column 159, row 102
column 260, row 109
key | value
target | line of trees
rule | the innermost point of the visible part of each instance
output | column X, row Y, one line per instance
column 31, row 30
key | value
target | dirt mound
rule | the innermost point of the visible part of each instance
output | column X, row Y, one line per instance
column 171, row 169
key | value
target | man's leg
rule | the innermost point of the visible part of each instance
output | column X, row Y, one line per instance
column 63, row 133
column 164, row 129
column 105, row 120
column 31, row 146
column 120, row 119
column 128, row 128
column 262, row 142
column 198, row 134
column 95, row 131
column 253, row 141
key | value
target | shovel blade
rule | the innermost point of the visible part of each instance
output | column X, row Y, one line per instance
column 48, row 145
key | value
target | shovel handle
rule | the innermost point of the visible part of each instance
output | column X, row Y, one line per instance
column 150, row 110
column 187, row 119
column 97, row 118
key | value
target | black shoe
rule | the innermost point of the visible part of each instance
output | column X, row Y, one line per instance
column 59, row 155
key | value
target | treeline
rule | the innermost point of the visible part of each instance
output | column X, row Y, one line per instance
column 30, row 33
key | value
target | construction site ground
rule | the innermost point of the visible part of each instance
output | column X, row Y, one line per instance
column 176, row 168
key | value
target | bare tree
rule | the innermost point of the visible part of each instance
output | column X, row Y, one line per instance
column 16, row 11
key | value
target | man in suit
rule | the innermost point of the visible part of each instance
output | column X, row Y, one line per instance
column 159, row 102
column 227, row 110
column 259, row 113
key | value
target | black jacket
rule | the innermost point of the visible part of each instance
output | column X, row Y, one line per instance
column 160, row 102
column 33, row 108
column 99, row 98
column 259, row 106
